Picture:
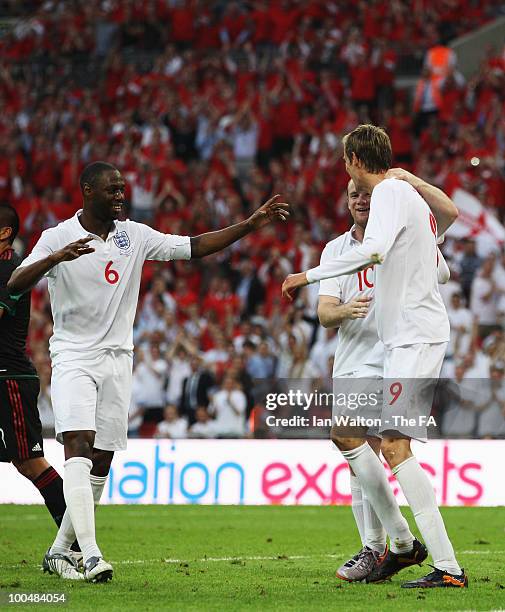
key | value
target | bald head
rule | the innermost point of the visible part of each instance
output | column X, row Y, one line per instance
column 92, row 173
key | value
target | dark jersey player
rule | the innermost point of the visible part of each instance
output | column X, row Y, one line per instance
column 20, row 428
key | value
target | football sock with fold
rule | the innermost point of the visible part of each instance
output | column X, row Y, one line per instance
column 374, row 483
column 357, row 507
column 375, row 534
column 80, row 509
column 420, row 496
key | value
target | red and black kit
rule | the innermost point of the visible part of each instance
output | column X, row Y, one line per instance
column 20, row 427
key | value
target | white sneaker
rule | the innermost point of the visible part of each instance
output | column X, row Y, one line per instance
column 97, row 570
column 62, row 565
column 77, row 557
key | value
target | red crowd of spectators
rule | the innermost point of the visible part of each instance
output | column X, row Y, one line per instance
column 209, row 107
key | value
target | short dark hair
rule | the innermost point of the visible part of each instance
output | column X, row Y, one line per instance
column 372, row 147
column 9, row 218
column 92, row 172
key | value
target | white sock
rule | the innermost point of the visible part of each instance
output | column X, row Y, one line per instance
column 79, row 498
column 375, row 534
column 66, row 534
column 97, row 486
column 357, row 507
column 421, row 498
column 374, row 483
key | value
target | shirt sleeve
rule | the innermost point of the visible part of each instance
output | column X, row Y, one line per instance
column 46, row 245
column 165, row 247
column 444, row 274
column 385, row 222
column 329, row 286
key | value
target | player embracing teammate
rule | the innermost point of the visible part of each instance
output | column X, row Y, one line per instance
column 412, row 324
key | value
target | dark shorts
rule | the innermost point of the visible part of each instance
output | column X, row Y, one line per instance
column 20, row 427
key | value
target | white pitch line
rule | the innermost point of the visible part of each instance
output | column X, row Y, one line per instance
column 255, row 558
column 252, row 558
column 281, row 557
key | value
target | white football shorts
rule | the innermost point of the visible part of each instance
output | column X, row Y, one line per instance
column 410, row 375
column 358, row 394
column 94, row 394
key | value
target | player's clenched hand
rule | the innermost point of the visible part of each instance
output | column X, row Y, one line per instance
column 293, row 282
column 272, row 210
column 358, row 308
column 74, row 250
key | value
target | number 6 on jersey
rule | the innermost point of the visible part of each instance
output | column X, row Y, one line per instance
column 111, row 276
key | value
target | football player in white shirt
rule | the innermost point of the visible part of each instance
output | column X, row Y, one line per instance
column 401, row 235
column 93, row 263
column 347, row 303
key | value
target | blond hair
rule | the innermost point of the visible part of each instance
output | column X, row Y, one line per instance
column 372, row 147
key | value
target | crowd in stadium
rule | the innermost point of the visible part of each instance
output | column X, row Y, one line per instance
column 207, row 108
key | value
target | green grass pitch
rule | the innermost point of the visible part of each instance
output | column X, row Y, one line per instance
column 243, row 558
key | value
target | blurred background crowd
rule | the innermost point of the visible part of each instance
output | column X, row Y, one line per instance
column 209, row 107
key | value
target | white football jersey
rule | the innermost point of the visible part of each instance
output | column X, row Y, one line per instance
column 94, row 298
column 359, row 350
column 401, row 233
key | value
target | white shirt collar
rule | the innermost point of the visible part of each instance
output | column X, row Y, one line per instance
column 85, row 232
column 352, row 239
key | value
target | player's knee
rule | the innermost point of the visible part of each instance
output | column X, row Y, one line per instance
column 79, row 444
column 101, row 462
column 344, row 443
column 395, row 451
column 346, row 438
column 31, row 468
column 23, row 468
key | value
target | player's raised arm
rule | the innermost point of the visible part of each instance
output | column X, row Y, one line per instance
column 383, row 226
column 212, row 242
column 440, row 203
column 41, row 261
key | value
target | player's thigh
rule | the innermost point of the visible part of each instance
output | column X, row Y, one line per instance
column 74, row 394
column 357, row 401
column 113, row 403
column 410, row 376
column 414, row 361
column 20, row 426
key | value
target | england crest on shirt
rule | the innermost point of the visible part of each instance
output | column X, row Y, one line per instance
column 122, row 241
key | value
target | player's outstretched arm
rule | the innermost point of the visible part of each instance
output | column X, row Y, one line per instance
column 212, row 242
column 26, row 277
column 440, row 203
column 354, row 260
column 385, row 222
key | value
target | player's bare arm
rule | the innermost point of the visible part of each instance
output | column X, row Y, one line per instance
column 212, row 242
column 326, row 270
column 24, row 278
column 440, row 203
column 331, row 312
column 292, row 283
